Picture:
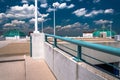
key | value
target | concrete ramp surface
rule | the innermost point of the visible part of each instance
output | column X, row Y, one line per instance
column 24, row 68
column 12, row 70
column 38, row 70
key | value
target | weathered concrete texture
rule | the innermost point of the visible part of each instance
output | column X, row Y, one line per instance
column 24, row 68
column 93, row 73
column 64, row 67
column 38, row 70
column 84, row 74
column 49, row 55
column 60, row 63
column 12, row 70
column 37, row 45
column 15, row 48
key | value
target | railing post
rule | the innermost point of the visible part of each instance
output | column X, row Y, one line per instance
column 30, row 46
column 55, row 42
column 79, row 51
column 46, row 39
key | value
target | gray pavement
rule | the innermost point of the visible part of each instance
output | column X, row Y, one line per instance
column 38, row 70
column 24, row 68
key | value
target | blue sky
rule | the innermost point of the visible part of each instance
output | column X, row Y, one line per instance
column 72, row 16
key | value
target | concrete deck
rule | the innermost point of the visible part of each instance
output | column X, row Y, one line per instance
column 38, row 70
column 15, row 66
column 24, row 68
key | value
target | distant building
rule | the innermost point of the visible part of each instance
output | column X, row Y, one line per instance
column 14, row 34
column 104, row 33
column 88, row 34
column 117, row 37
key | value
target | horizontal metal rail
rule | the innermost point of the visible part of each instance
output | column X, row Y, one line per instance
column 103, row 48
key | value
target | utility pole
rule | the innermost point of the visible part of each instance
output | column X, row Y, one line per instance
column 54, row 20
column 36, row 18
column 55, row 6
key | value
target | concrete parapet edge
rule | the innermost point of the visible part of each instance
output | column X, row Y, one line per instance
column 65, row 68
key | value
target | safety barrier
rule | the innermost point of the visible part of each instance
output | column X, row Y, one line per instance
column 79, row 57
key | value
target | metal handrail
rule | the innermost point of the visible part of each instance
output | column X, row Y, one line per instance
column 99, row 47
column 107, row 49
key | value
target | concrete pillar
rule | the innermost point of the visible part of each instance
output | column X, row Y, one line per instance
column 37, row 40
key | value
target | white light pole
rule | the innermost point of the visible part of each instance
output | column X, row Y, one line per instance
column 55, row 5
column 54, row 21
column 36, row 18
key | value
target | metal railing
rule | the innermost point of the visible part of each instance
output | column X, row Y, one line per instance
column 79, row 44
column 30, row 46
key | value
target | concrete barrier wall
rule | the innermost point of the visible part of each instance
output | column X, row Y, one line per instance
column 65, row 68
column 49, row 56
column 62, row 65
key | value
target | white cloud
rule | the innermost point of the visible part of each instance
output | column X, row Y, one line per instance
column 96, row 1
column 72, row 26
column 66, row 27
column 83, row 12
column 24, row 1
column 50, row 9
column 9, row 25
column 101, row 21
column 40, row 19
column 42, row 1
column 44, row 5
column 32, row 20
column 56, row 4
column 77, row 24
column 21, row 12
column 17, row 22
column 44, row 15
column 74, row 29
column 62, row 5
column 14, row 23
column 70, row 6
column 93, row 13
column 109, row 11
column 9, row 15
column 80, row 12
column 2, row 15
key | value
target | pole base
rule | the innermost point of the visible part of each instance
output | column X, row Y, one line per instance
column 36, row 32
column 76, row 59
